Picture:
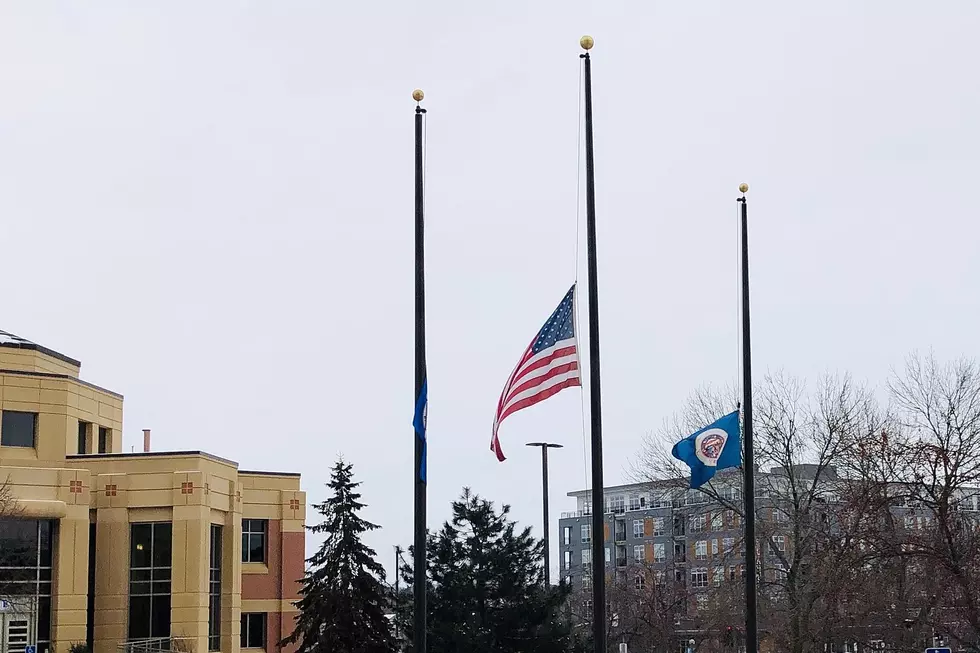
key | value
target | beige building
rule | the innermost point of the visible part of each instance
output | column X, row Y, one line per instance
column 108, row 548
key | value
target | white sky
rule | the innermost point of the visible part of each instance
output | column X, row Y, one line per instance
column 210, row 205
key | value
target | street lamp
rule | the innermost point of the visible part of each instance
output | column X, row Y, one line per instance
column 544, row 500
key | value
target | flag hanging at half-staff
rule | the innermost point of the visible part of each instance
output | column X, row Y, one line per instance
column 548, row 366
column 716, row 446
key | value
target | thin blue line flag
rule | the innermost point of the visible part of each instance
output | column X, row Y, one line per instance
column 716, row 446
column 421, row 411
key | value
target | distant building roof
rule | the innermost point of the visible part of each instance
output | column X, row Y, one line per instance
column 16, row 342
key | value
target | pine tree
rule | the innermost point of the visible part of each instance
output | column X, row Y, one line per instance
column 342, row 609
column 486, row 589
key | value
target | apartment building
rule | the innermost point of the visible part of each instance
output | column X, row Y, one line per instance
column 152, row 549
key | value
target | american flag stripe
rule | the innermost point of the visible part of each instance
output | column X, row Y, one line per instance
column 548, row 366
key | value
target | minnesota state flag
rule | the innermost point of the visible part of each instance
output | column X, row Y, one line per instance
column 716, row 446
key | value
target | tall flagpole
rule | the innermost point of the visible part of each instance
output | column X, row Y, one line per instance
column 595, row 404
column 419, row 557
column 751, row 625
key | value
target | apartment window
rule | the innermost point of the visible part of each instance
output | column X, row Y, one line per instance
column 701, row 550
column 586, row 556
column 587, row 606
column 699, row 578
column 679, row 525
column 253, row 630
column 638, row 553
column 637, row 528
column 149, row 580
column 679, row 553
column 617, row 504
column 714, row 548
column 727, row 545
column 733, row 518
column 567, row 562
column 702, row 602
column 587, row 580
column 83, row 431
column 587, row 508
column 699, row 523
column 659, row 554
column 620, row 530
column 733, row 573
column 608, row 555
column 639, row 581
column 566, row 535
column 778, row 543
column 103, row 440
column 779, row 516
column 586, row 534
column 620, row 555
column 717, row 575
column 658, row 526
column 253, row 539
column 717, row 521
column 214, row 590
column 18, row 429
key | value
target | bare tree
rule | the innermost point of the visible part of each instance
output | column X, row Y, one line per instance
column 939, row 406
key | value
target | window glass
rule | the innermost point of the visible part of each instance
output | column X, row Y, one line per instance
column 18, row 429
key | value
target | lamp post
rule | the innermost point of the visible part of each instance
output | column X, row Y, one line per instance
column 544, row 500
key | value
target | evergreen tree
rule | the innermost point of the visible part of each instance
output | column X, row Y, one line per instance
column 486, row 589
column 342, row 609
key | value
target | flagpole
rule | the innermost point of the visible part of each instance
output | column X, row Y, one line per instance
column 419, row 561
column 595, row 403
column 751, row 626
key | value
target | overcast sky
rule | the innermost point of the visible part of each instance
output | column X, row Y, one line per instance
column 211, row 205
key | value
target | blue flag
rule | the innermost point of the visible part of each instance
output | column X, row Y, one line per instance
column 421, row 410
column 716, row 446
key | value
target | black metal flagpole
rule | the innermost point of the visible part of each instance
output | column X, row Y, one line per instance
column 595, row 403
column 419, row 557
column 751, row 625
column 544, row 504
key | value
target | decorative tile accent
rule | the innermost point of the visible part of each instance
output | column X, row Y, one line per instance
column 238, row 496
column 75, row 487
column 110, row 490
column 187, row 488
column 294, row 504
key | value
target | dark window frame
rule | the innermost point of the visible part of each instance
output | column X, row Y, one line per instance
column 151, row 583
column 8, row 421
column 31, row 572
column 250, row 638
column 255, row 530
column 214, row 589
column 83, row 432
column 104, row 437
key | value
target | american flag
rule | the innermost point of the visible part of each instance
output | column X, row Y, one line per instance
column 548, row 366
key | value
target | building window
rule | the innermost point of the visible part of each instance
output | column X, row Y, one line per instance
column 214, row 591
column 637, row 528
column 587, row 581
column 779, row 516
column 617, row 504
column 586, row 556
column 658, row 526
column 620, row 555
column 103, row 440
column 717, row 575
column 586, row 534
column 659, row 554
column 25, row 572
column 717, row 521
column 620, row 530
column 639, row 581
column 149, row 580
column 566, row 535
column 699, row 578
column 727, row 545
column 714, row 548
column 253, row 539
column 608, row 555
column 702, row 601
column 778, row 543
column 83, row 431
column 253, row 630
column 18, row 429
column 567, row 563
column 638, row 553
column 701, row 550
column 733, row 518
column 699, row 523
column 636, row 502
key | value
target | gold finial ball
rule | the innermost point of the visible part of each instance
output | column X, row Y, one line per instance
column 586, row 42
column 743, row 188
column 417, row 95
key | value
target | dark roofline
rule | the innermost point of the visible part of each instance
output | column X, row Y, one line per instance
column 33, row 346
column 67, row 377
column 258, row 473
column 150, row 454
